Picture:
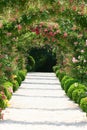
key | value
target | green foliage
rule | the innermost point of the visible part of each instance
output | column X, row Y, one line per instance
column 8, row 89
column 15, row 85
column 22, row 74
column 30, row 64
column 44, row 58
column 75, row 86
column 64, row 31
column 82, row 95
column 55, row 68
column 68, row 83
column 19, row 80
column 77, row 93
column 61, row 75
column 3, row 104
column 83, row 104
column 57, row 72
column 64, row 80
column 3, row 100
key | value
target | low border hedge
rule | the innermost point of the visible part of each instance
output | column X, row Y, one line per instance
column 74, row 90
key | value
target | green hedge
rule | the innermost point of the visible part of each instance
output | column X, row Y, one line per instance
column 55, row 68
column 8, row 89
column 83, row 104
column 22, row 74
column 68, row 83
column 76, row 94
column 64, row 80
column 82, row 95
column 15, row 85
column 3, row 100
column 75, row 86
column 19, row 80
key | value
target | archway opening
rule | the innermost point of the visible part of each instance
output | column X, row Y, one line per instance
column 44, row 59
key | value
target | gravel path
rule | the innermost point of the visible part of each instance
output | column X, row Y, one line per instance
column 41, row 104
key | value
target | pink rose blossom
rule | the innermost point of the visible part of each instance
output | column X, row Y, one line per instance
column 19, row 27
column 74, row 60
column 58, row 31
column 51, row 34
column 65, row 34
column 10, row 90
column 3, row 97
column 45, row 30
column 74, row 8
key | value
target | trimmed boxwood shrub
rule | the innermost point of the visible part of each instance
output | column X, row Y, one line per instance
column 3, row 103
column 83, row 104
column 63, row 80
column 7, row 84
column 18, row 78
column 15, row 85
column 3, row 100
column 82, row 95
column 57, row 73
column 76, row 94
column 73, row 87
column 61, row 75
column 55, row 68
column 68, row 83
column 8, row 89
column 22, row 74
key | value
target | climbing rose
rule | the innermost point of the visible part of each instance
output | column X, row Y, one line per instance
column 58, row 31
column 19, row 27
column 74, row 60
column 10, row 90
column 82, row 6
column 51, row 34
column 37, row 30
column 3, row 97
column 65, row 34
column 45, row 30
column 74, row 8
